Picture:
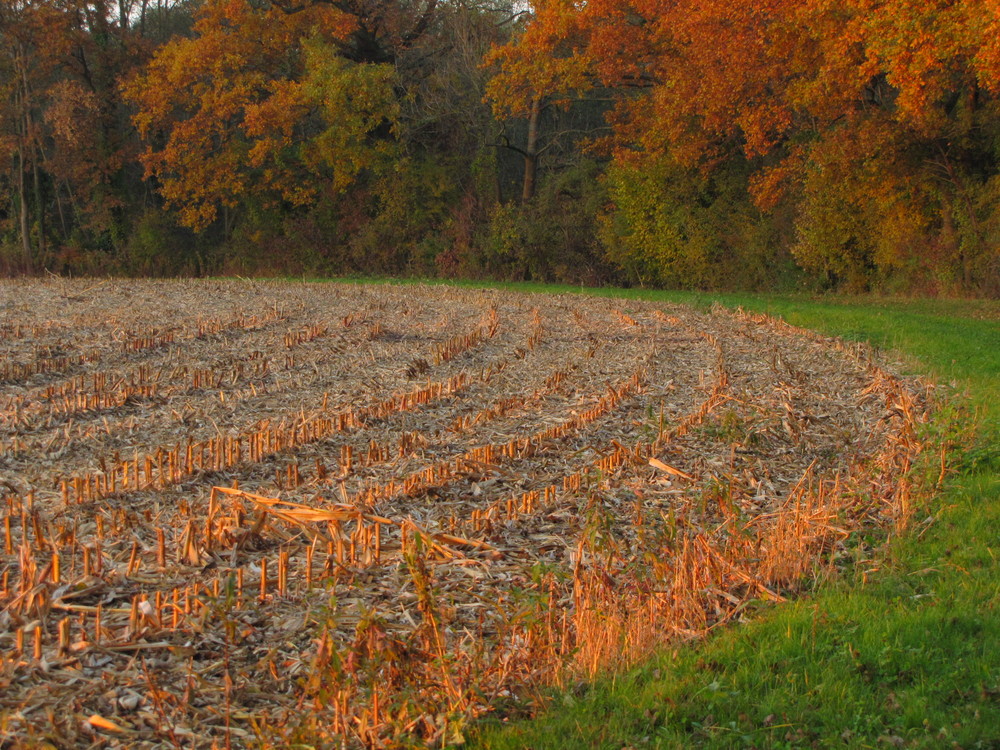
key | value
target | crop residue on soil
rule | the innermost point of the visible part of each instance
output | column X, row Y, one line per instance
column 240, row 513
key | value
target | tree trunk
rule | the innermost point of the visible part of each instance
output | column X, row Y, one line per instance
column 24, row 140
column 59, row 207
column 39, row 209
column 22, row 199
column 531, row 152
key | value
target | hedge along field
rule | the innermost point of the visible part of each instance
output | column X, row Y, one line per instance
column 248, row 513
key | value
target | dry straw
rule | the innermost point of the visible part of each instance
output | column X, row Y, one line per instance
column 300, row 541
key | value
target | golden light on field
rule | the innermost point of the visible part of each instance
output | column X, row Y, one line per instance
column 239, row 513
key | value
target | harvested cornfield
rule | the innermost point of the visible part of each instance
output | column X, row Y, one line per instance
column 241, row 514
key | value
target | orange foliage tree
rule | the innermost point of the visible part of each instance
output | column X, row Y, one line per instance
column 875, row 119
column 276, row 103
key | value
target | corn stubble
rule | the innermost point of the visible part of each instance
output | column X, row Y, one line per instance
column 250, row 527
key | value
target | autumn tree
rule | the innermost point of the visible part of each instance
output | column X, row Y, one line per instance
column 831, row 104
column 433, row 206
column 65, row 133
column 28, row 67
column 279, row 103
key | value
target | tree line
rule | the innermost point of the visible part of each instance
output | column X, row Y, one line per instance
column 775, row 144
